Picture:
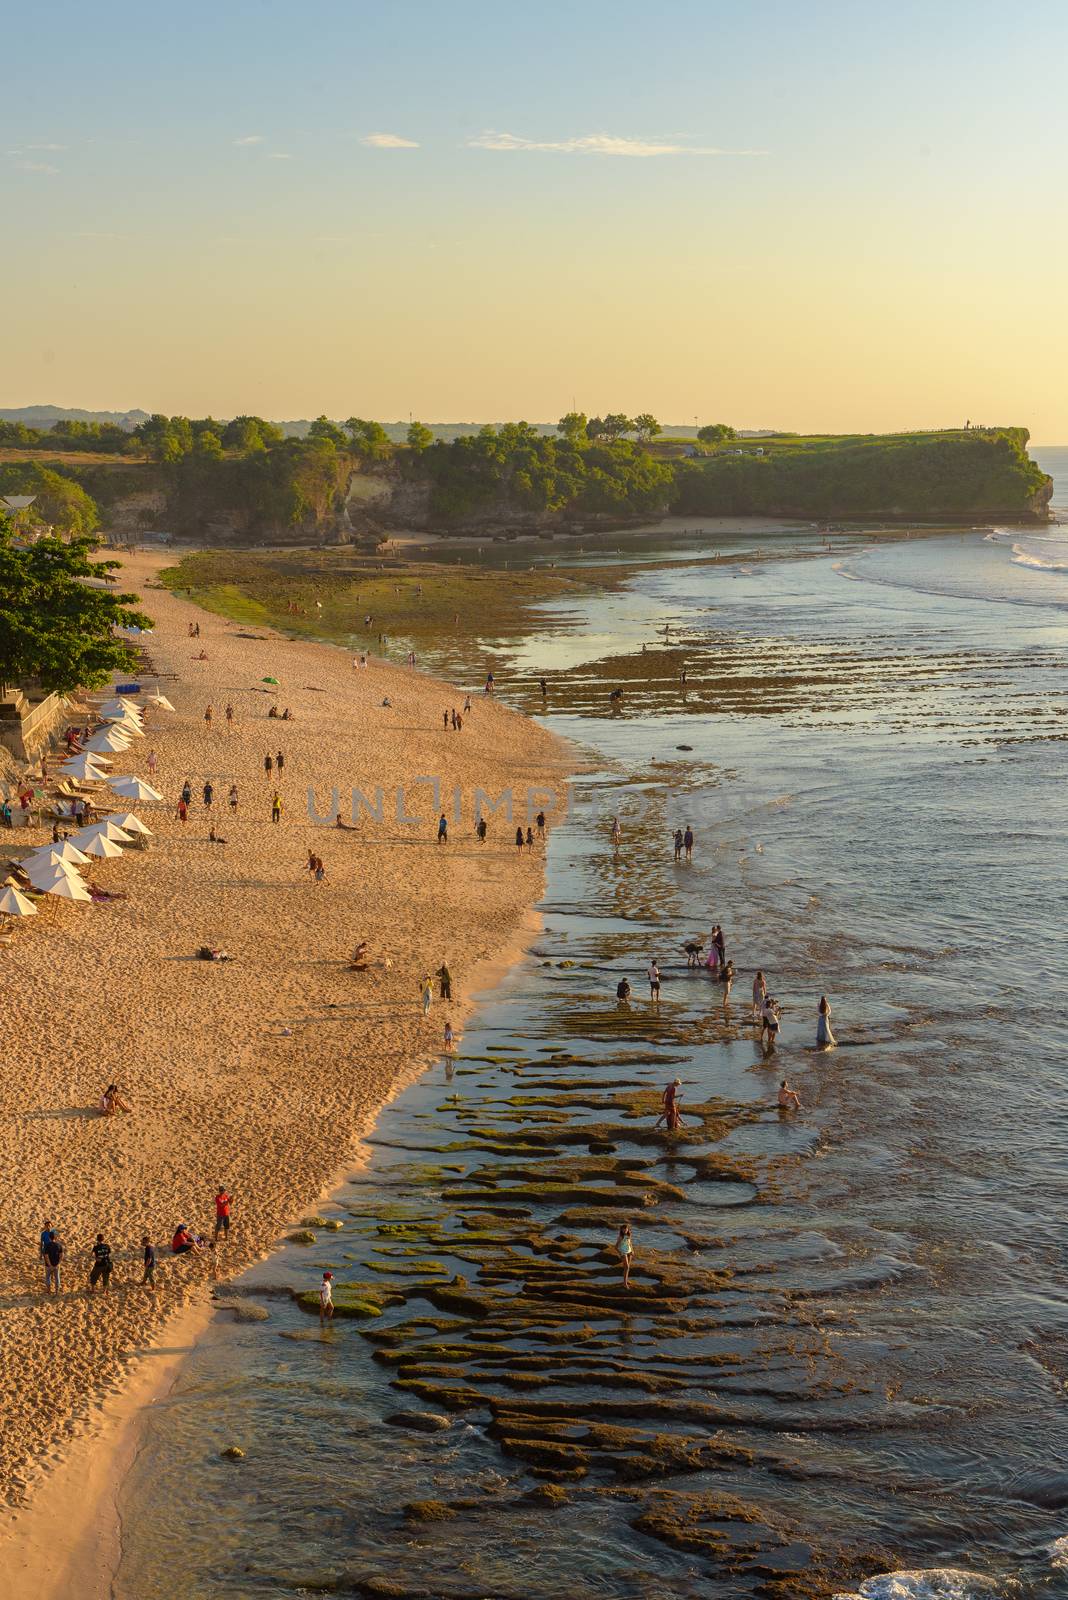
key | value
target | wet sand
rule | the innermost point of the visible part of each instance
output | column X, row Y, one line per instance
column 95, row 994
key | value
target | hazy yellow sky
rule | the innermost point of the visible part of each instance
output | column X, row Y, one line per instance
column 821, row 217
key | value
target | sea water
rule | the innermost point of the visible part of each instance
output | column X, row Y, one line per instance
column 869, row 746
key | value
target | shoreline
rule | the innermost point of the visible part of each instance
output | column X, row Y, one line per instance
column 78, row 1462
column 84, row 1493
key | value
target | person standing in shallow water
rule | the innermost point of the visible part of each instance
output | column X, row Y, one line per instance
column 687, row 840
column 624, row 1248
column 678, row 844
column 825, row 1039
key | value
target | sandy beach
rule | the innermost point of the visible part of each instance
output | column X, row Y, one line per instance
column 259, row 1073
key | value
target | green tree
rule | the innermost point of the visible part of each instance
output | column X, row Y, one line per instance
column 370, row 441
column 60, row 501
column 419, row 436
column 246, row 434
column 716, row 433
column 323, row 428
column 55, row 627
column 616, row 425
column 573, row 425
column 208, row 445
column 646, row 427
column 595, row 428
column 166, row 438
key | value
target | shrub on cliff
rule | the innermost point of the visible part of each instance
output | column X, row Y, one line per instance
column 60, row 502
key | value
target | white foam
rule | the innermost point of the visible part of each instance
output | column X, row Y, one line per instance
column 933, row 1583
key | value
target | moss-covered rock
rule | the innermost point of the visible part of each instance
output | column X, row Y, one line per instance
column 302, row 1236
column 428, row 1511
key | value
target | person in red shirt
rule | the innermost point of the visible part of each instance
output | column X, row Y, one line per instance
column 222, row 1212
column 183, row 1241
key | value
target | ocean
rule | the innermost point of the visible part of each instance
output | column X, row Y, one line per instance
column 842, row 1368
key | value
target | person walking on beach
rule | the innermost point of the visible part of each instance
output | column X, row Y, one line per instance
column 209, row 796
column 687, row 840
column 519, row 838
column 669, row 1112
column 760, row 990
column 326, row 1298
column 443, row 829
column 481, row 830
column 47, row 1235
column 268, row 763
column 624, row 1248
column 207, row 719
column 789, row 1099
column 229, row 719
column 539, row 822
column 148, row 1257
column 182, row 811
column 276, row 807
column 319, row 872
column 426, row 989
column 153, row 761
column 530, row 838
column 678, row 844
column 728, row 983
column 187, row 792
column 280, row 762
column 825, row 1039
column 223, row 1204
column 654, row 983
column 53, row 1255
column 233, row 798
column 445, row 720
column 445, row 981
column 101, row 1268
column 770, row 1018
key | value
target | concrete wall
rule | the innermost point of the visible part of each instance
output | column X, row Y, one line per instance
column 29, row 731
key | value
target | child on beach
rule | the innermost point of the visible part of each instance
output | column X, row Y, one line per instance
column 148, row 1251
column 326, row 1298
column 448, row 1038
column 426, row 989
column 789, row 1099
column 624, row 1248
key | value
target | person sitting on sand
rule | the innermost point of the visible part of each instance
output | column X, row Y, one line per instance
column 273, row 711
column 287, row 715
column 624, row 1248
column 213, row 837
column 359, row 961
column 339, row 822
column 789, row 1099
column 111, row 1101
column 183, row 1242
column 209, row 952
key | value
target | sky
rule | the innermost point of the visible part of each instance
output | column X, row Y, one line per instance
column 821, row 216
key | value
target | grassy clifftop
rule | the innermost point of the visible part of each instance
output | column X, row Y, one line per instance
column 963, row 473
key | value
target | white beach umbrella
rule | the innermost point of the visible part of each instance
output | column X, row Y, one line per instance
column 68, row 889
column 44, row 874
column 86, row 766
column 131, row 824
column 102, row 846
column 64, row 851
column 132, row 788
column 128, row 726
column 100, row 830
column 160, row 700
column 13, row 904
column 108, row 739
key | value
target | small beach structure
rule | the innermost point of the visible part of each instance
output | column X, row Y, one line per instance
column 14, row 904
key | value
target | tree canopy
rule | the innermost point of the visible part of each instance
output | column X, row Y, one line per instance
column 716, row 433
column 55, row 626
column 60, row 501
column 419, row 436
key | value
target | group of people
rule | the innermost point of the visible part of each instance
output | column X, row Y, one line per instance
column 51, row 1249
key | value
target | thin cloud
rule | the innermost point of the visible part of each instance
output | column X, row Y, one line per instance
column 601, row 144
column 91, row 233
column 250, row 138
column 46, row 147
column 279, row 155
column 389, row 141
column 45, row 167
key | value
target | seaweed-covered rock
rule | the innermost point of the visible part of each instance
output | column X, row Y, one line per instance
column 418, row 1421
column 233, row 1452
column 302, row 1236
column 428, row 1511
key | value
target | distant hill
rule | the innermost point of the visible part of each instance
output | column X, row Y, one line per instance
column 45, row 416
